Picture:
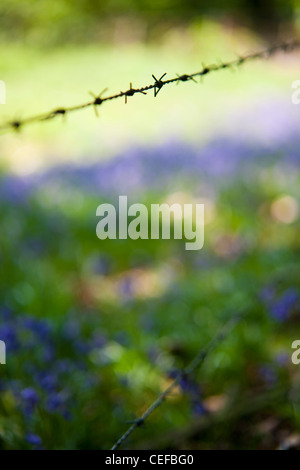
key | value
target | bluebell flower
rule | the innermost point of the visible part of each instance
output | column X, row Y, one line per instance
column 125, row 288
column 174, row 373
column 64, row 365
column 102, row 265
column 198, row 408
column 30, row 399
column 39, row 327
column 81, row 347
column 15, row 386
column 268, row 294
column 5, row 313
column 49, row 353
column 14, row 190
column 188, row 386
column 34, row 440
column 48, row 381
column 268, row 374
column 8, row 334
column 56, row 402
column 97, row 341
column 283, row 307
column 192, row 389
column 282, row 359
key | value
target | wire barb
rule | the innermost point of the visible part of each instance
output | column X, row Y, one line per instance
column 131, row 92
column 97, row 100
column 185, row 78
column 158, row 84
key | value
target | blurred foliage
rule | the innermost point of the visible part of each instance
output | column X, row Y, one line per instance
column 53, row 22
column 95, row 330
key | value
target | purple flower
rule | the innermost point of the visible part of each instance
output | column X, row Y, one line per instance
column 198, row 408
column 282, row 359
column 49, row 353
column 8, row 334
column 80, row 347
column 48, row 381
column 5, row 313
column 56, row 402
column 268, row 294
column 192, row 390
column 64, row 365
column 189, row 387
column 13, row 190
column 30, row 399
column 283, row 307
column 39, row 327
column 98, row 340
column 268, row 374
column 126, row 288
column 102, row 265
column 34, row 440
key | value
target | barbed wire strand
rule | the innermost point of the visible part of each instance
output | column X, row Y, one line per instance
column 194, row 364
column 98, row 100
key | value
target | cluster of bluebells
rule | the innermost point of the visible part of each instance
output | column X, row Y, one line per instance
column 272, row 372
column 151, row 169
column 175, row 163
column 192, row 390
column 284, row 306
column 44, row 364
column 269, row 374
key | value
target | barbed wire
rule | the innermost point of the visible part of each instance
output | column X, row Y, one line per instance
column 157, row 85
column 194, row 364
